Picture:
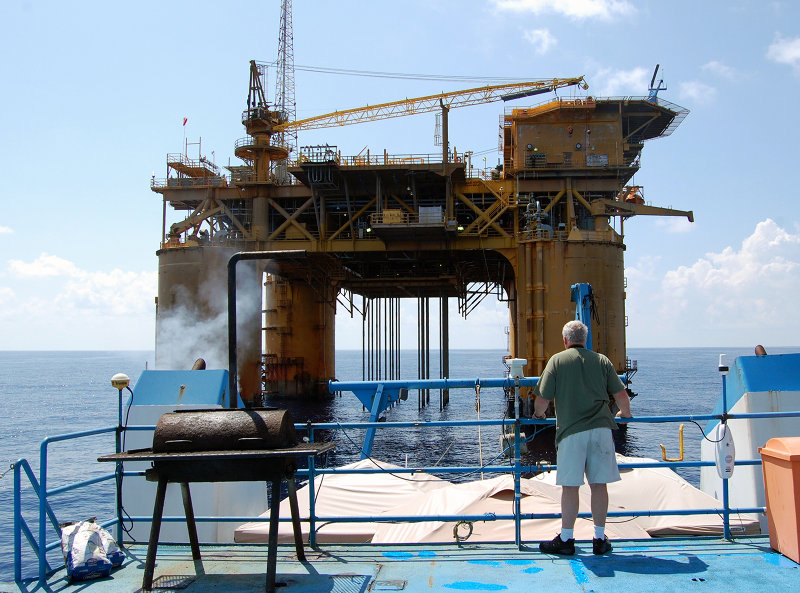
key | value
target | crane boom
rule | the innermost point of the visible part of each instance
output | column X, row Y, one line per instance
column 430, row 103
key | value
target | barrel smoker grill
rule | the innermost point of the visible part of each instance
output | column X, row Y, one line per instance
column 225, row 445
column 228, row 445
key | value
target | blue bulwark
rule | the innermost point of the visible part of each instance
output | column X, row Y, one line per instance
column 776, row 372
column 180, row 388
column 755, row 374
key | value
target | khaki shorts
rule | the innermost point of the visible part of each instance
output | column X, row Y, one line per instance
column 590, row 452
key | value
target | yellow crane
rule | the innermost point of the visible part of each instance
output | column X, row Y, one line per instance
column 261, row 122
column 261, row 119
column 430, row 103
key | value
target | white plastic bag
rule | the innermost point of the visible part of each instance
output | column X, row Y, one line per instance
column 89, row 550
column 113, row 553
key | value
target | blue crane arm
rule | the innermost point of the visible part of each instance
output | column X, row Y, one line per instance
column 581, row 295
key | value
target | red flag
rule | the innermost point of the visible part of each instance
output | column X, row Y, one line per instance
column 185, row 119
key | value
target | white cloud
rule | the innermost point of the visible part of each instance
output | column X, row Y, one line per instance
column 733, row 297
column 579, row 9
column 720, row 69
column 785, row 51
column 115, row 293
column 56, row 304
column 43, row 266
column 699, row 92
column 542, row 39
column 4, row 230
column 622, row 82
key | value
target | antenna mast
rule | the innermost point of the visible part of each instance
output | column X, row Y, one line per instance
column 284, row 90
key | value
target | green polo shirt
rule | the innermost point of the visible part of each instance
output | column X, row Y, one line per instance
column 580, row 381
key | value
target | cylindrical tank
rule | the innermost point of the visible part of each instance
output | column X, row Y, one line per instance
column 544, row 274
column 299, row 339
column 192, row 313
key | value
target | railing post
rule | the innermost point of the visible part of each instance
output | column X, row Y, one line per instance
column 726, row 513
column 312, row 523
column 17, row 523
column 118, row 467
column 43, row 513
column 517, row 469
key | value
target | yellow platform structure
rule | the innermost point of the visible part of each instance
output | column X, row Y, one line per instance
column 387, row 227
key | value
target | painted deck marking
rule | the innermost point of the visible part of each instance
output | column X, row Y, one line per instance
column 579, row 572
column 778, row 560
column 398, row 555
column 474, row 586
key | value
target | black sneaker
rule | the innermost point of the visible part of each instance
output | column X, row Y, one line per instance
column 558, row 546
column 601, row 546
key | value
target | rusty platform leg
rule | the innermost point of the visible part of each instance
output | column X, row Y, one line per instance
column 274, row 516
column 155, row 529
column 191, row 526
column 298, row 534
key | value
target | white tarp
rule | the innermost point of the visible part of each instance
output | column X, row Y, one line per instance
column 422, row 494
column 660, row 488
column 494, row 496
column 347, row 495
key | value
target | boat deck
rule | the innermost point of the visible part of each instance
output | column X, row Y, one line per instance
column 674, row 564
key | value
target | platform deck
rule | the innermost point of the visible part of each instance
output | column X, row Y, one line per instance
column 701, row 564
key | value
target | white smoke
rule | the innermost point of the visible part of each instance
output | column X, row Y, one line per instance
column 196, row 325
column 184, row 335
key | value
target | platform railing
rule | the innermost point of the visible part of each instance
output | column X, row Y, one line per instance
column 518, row 469
column 41, row 546
column 189, row 182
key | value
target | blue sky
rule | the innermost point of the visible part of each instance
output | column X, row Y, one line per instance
column 94, row 95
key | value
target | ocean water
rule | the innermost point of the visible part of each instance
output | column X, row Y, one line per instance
column 49, row 393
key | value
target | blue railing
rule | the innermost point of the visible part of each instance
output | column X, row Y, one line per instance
column 40, row 545
column 519, row 469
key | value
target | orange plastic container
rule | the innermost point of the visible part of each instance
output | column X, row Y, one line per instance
column 781, row 464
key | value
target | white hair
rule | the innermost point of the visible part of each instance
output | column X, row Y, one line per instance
column 575, row 332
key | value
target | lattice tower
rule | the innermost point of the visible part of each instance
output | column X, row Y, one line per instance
column 284, row 90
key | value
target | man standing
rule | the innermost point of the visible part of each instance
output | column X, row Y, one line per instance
column 580, row 382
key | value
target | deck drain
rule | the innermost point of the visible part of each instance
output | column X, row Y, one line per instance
column 397, row 585
column 172, row 582
column 349, row 583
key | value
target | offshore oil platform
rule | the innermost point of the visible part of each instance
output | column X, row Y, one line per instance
column 377, row 228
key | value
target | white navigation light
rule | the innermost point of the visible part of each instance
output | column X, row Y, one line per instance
column 516, row 365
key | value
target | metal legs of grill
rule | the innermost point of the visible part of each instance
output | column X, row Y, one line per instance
column 274, row 518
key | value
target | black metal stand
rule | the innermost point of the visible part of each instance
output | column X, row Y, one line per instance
column 256, row 465
column 274, row 519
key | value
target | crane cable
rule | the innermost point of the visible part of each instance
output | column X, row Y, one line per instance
column 408, row 76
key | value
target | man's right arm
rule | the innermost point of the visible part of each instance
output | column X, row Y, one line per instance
column 540, row 406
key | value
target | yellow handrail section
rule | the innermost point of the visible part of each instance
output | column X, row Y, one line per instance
column 680, row 445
